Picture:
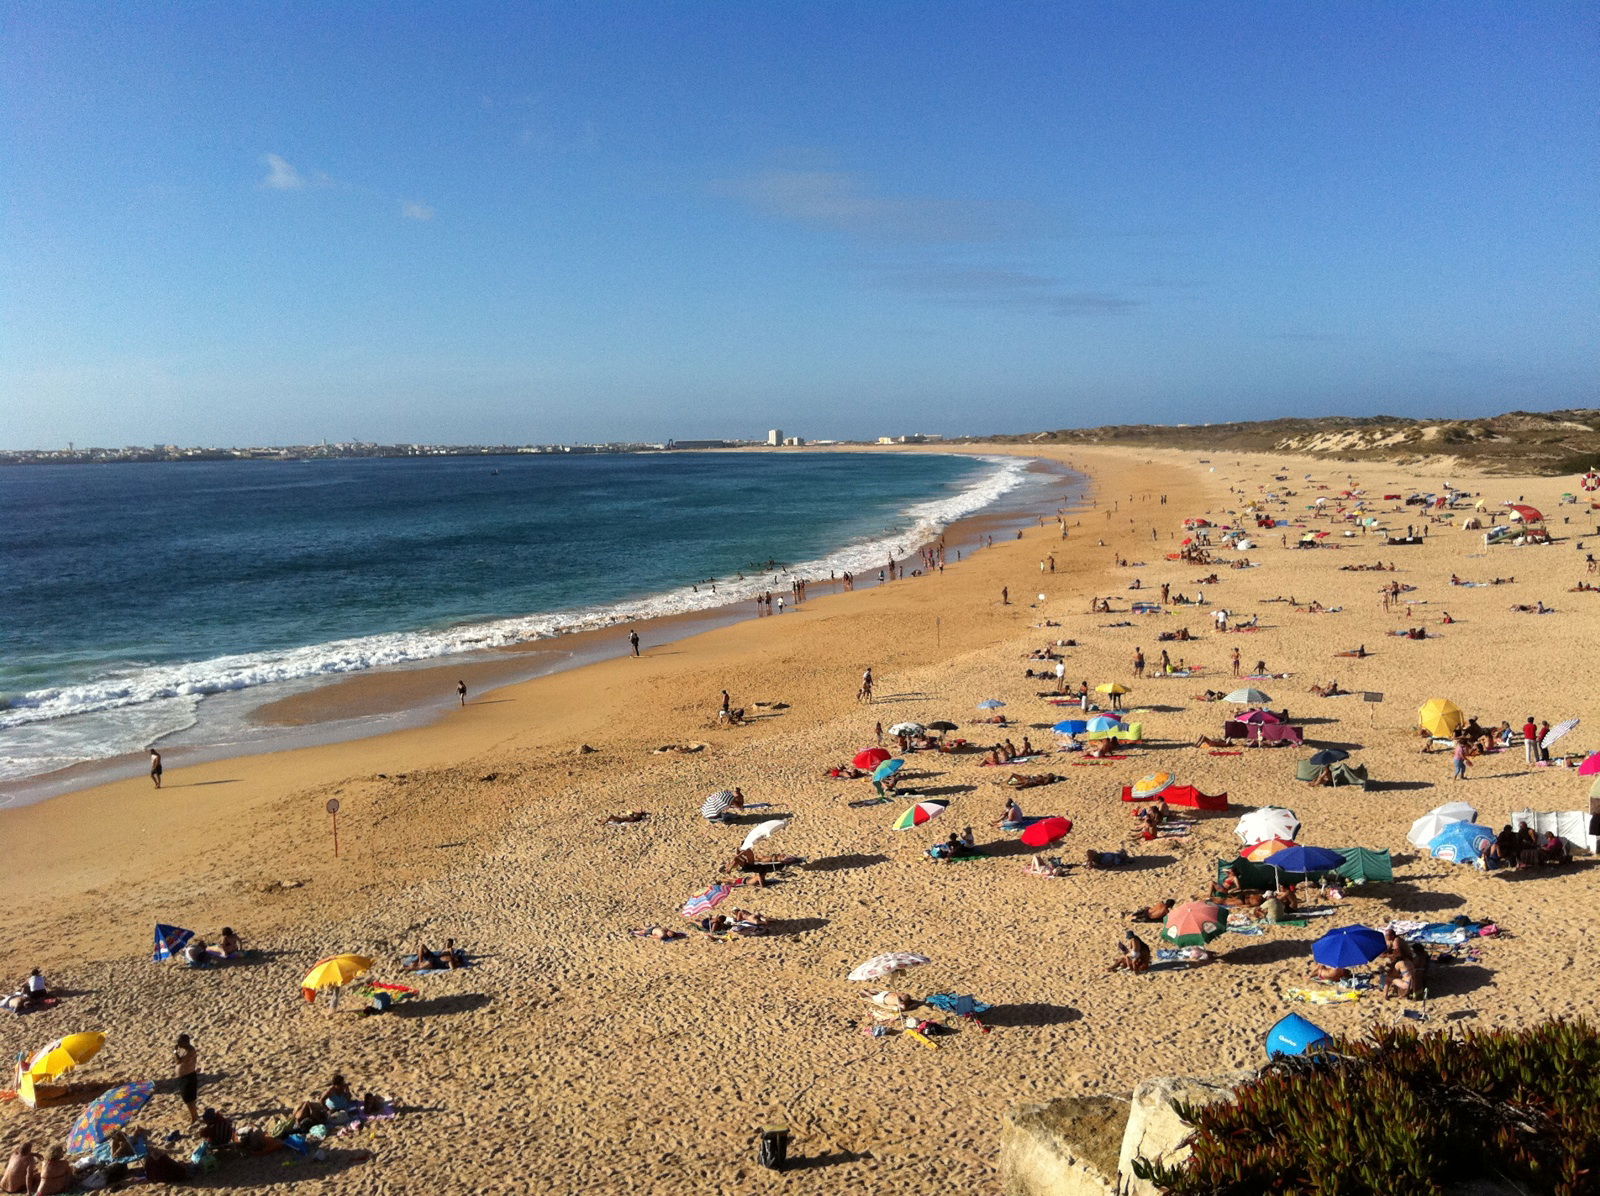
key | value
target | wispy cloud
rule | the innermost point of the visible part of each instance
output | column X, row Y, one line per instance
column 412, row 210
column 987, row 286
column 848, row 203
column 281, row 175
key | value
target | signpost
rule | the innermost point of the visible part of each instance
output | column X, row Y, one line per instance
column 333, row 809
column 1373, row 697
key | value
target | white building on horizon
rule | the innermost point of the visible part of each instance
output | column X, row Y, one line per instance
column 775, row 437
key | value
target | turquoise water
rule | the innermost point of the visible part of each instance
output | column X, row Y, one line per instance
column 132, row 592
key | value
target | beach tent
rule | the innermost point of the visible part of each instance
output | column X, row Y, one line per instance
column 1571, row 825
column 1344, row 773
column 1184, row 795
column 1363, row 865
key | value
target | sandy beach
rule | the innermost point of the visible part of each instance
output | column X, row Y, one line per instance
column 572, row 1056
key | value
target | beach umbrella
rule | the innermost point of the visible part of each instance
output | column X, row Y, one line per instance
column 1047, row 831
column 1306, row 860
column 1525, row 513
column 333, row 972
column 1329, row 756
column 1102, row 723
column 1112, row 687
column 1348, row 947
column 1590, row 767
column 1594, row 790
column 907, row 729
column 1269, row 822
column 1440, row 717
column 990, row 704
column 1428, row 828
column 1259, row 716
column 706, row 900
column 1248, row 697
column 880, row 966
column 1153, row 785
column 943, row 724
column 761, row 831
column 719, row 801
column 1557, row 731
column 923, row 811
column 170, row 940
column 64, row 1054
column 111, row 1110
column 871, row 757
column 887, row 769
column 1259, row 852
column 1457, row 811
column 1461, row 843
column 1194, row 923
column 1077, row 726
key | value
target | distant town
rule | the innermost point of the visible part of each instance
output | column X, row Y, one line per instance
column 346, row 449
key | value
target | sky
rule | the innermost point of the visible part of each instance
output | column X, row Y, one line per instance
column 232, row 224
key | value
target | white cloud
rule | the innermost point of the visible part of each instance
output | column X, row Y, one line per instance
column 412, row 210
column 281, row 176
column 848, row 202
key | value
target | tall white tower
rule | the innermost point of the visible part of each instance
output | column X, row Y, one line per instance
column 775, row 436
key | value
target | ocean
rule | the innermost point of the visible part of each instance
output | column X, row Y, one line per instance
column 134, row 593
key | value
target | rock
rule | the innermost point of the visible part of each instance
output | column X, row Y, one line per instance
column 584, row 749
column 1067, row 1147
column 1156, row 1132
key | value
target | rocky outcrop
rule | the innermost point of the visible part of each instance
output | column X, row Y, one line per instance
column 1155, row 1131
column 1066, row 1147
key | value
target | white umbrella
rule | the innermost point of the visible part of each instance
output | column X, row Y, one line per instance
column 1269, row 822
column 761, row 831
column 1426, row 829
column 1557, row 731
column 1248, row 697
column 907, row 729
column 1460, row 811
column 880, row 966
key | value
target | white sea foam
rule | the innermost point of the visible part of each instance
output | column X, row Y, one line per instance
column 150, row 687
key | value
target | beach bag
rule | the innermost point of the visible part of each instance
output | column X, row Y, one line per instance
column 773, row 1152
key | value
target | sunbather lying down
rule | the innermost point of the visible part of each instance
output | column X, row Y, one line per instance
column 1038, row 865
column 1208, row 741
column 620, row 819
column 659, row 933
column 1023, row 780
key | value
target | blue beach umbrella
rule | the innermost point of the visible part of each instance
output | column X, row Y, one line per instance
column 1306, row 860
column 1071, row 726
column 887, row 769
column 1348, row 947
column 1104, row 722
column 1329, row 756
column 1461, row 843
column 111, row 1110
column 170, row 940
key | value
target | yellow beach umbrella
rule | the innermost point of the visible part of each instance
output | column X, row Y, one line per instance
column 334, row 971
column 1111, row 687
column 64, row 1054
column 1153, row 785
column 1441, row 717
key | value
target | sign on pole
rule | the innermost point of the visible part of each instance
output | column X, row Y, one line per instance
column 333, row 810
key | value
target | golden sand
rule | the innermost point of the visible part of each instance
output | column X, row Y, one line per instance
column 573, row 1057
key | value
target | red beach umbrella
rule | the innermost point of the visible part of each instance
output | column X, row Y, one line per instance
column 869, row 758
column 1047, row 831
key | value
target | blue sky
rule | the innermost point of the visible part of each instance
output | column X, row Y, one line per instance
column 233, row 224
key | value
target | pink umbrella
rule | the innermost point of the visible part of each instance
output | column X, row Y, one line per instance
column 1590, row 767
column 1259, row 716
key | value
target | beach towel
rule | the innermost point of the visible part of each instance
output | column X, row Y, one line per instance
column 1215, row 752
column 1326, row 996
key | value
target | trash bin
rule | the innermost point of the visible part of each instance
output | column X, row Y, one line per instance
column 1294, row 1035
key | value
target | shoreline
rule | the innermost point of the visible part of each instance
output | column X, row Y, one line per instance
column 325, row 710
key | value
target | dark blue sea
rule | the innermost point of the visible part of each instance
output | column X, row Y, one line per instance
column 130, row 593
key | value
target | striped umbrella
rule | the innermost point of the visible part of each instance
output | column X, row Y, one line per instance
column 880, row 966
column 719, row 801
column 1153, row 785
column 704, row 902
column 1557, row 731
column 1194, row 923
column 923, row 811
column 887, row 769
column 111, row 1110
column 1248, row 697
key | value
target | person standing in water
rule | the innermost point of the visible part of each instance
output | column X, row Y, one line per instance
column 461, row 691
column 633, row 640
column 155, row 767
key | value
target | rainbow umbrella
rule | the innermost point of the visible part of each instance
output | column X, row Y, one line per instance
column 887, row 769
column 1047, row 831
column 1194, row 923
column 111, row 1110
column 923, row 811
column 870, row 758
column 1153, row 785
column 706, row 901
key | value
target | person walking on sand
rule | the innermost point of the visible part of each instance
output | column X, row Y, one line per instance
column 1459, row 759
column 155, row 767
column 633, row 641
column 1005, row 595
column 187, row 1058
column 461, row 691
column 864, row 694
